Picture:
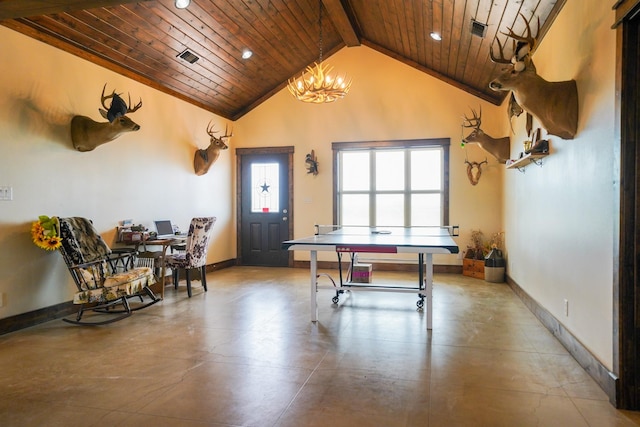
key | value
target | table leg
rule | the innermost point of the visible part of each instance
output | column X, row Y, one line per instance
column 163, row 269
column 313, row 285
column 429, row 289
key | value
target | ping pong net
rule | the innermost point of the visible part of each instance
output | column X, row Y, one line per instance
column 363, row 230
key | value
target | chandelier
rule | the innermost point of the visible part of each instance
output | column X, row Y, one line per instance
column 319, row 86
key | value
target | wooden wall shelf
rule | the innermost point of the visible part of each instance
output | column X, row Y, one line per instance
column 526, row 160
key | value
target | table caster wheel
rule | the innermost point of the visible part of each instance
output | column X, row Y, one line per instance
column 420, row 303
column 335, row 300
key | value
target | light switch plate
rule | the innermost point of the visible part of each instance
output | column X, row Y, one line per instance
column 6, row 192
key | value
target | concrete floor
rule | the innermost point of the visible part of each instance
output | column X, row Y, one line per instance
column 246, row 354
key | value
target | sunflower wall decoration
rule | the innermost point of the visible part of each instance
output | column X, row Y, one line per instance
column 44, row 234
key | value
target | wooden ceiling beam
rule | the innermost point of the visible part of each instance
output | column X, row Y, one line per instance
column 12, row 9
column 340, row 19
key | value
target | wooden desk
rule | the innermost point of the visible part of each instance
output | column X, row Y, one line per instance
column 165, row 244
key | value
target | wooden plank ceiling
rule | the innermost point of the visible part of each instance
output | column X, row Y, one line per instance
column 144, row 40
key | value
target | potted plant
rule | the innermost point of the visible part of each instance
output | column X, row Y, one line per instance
column 494, row 262
column 473, row 262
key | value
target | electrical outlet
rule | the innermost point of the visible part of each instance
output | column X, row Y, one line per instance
column 566, row 307
column 6, row 192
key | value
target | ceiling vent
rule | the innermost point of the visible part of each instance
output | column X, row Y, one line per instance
column 478, row 28
column 189, row 56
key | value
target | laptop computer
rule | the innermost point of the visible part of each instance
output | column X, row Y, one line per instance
column 165, row 229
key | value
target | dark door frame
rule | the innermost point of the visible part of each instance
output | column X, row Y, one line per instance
column 626, row 274
column 240, row 153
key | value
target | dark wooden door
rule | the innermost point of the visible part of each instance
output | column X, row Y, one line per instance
column 627, row 289
column 265, row 206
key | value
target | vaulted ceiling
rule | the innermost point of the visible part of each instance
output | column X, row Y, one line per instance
column 146, row 40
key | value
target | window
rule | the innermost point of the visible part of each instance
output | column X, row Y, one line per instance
column 265, row 185
column 395, row 183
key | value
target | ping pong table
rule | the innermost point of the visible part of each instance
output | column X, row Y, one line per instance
column 423, row 241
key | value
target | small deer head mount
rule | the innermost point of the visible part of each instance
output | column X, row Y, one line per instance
column 87, row 134
column 553, row 104
column 498, row 147
column 204, row 158
column 474, row 171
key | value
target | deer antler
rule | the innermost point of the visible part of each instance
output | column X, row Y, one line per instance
column 525, row 46
column 529, row 40
column 134, row 109
column 226, row 133
column 520, row 50
column 475, row 122
column 476, row 164
column 104, row 97
column 501, row 59
column 210, row 131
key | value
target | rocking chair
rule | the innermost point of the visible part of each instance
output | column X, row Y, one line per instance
column 105, row 279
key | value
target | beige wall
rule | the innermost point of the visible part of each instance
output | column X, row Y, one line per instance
column 388, row 101
column 559, row 217
column 145, row 175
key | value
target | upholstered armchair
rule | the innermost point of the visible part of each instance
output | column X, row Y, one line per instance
column 105, row 279
column 195, row 252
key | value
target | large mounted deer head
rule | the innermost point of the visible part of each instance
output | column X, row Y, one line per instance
column 204, row 158
column 87, row 134
column 553, row 104
column 500, row 148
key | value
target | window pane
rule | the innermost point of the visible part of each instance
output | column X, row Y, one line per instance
column 389, row 170
column 265, row 182
column 390, row 209
column 425, row 209
column 392, row 184
column 355, row 209
column 355, row 171
column 426, row 170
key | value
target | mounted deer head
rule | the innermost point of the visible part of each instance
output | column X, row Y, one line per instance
column 87, row 134
column 553, row 104
column 204, row 158
column 500, row 148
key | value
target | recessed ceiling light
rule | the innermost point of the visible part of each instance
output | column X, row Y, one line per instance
column 246, row 54
column 436, row 36
column 182, row 4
